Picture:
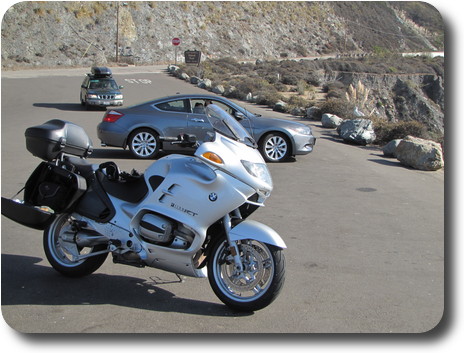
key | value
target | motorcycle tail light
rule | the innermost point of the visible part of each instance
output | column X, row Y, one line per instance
column 112, row 116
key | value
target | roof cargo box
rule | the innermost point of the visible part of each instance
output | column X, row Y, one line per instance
column 49, row 140
column 101, row 71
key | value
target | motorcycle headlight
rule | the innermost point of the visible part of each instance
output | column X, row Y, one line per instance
column 258, row 170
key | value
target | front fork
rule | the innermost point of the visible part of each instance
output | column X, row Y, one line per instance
column 233, row 248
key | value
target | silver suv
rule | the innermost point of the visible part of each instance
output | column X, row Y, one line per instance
column 100, row 89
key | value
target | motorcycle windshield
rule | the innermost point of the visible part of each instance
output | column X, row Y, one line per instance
column 225, row 124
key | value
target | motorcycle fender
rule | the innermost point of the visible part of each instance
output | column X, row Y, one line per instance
column 250, row 229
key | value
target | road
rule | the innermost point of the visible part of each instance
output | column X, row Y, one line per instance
column 365, row 236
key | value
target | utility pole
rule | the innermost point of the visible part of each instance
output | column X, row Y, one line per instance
column 117, row 32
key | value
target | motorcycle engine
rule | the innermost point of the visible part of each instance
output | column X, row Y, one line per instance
column 161, row 231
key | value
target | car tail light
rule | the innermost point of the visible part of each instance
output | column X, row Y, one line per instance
column 112, row 116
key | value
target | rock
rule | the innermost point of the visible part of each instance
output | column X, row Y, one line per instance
column 194, row 80
column 412, row 104
column 313, row 113
column 280, row 106
column 230, row 91
column 184, row 76
column 420, row 154
column 297, row 111
column 172, row 68
column 331, row 121
column 219, row 89
column 205, row 83
column 357, row 112
column 359, row 131
column 389, row 150
column 249, row 97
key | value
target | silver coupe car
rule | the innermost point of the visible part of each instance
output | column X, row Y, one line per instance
column 142, row 127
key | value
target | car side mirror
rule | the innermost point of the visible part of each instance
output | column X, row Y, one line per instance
column 121, row 87
column 239, row 116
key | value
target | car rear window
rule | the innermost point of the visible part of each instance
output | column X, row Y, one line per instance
column 174, row 106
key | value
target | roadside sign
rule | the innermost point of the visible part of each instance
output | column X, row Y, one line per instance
column 175, row 41
column 192, row 57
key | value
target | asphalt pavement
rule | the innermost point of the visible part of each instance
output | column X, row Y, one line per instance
column 365, row 235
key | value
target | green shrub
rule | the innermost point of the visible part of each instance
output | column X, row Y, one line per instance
column 338, row 107
column 268, row 97
column 386, row 131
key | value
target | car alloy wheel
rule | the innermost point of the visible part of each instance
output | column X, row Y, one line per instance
column 275, row 148
column 144, row 143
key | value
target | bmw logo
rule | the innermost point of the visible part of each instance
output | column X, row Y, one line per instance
column 213, row 197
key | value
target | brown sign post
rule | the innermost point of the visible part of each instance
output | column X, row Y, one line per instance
column 192, row 57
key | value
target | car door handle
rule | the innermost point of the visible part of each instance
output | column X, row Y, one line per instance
column 198, row 120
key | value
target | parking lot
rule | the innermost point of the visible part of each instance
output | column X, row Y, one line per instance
column 365, row 236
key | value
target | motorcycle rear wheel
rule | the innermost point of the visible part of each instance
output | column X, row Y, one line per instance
column 258, row 285
column 60, row 251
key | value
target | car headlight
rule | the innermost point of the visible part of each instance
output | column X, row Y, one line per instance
column 303, row 130
column 118, row 96
column 92, row 96
column 258, row 170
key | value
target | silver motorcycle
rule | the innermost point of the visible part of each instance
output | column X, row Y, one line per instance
column 184, row 214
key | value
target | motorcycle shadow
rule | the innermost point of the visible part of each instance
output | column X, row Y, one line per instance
column 26, row 282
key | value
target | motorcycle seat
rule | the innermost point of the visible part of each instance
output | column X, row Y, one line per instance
column 131, row 189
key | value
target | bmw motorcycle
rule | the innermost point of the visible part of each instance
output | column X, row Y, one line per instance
column 185, row 214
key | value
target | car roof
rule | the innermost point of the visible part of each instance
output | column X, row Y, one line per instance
column 179, row 96
column 188, row 96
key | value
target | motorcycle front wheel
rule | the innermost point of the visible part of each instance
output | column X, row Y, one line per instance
column 62, row 251
column 260, row 282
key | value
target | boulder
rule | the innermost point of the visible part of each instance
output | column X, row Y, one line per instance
column 420, row 154
column 331, row 121
column 280, row 106
column 173, row 68
column 359, row 131
column 230, row 91
column 389, row 150
column 313, row 113
column 194, row 80
column 184, row 76
column 205, row 83
column 298, row 111
column 219, row 89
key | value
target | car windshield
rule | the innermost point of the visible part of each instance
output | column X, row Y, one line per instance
column 103, row 84
column 226, row 125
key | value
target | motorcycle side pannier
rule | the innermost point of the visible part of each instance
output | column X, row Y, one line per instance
column 50, row 186
column 49, row 140
column 53, row 186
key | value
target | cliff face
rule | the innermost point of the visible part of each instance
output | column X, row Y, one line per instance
column 402, row 97
column 48, row 34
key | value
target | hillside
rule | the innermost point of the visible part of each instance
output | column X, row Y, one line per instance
column 364, row 41
column 50, row 34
